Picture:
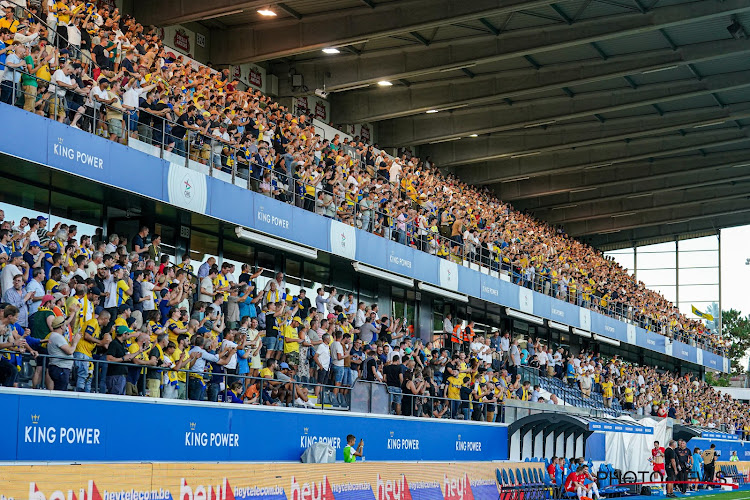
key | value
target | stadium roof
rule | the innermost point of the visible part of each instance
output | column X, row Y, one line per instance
column 584, row 424
column 622, row 120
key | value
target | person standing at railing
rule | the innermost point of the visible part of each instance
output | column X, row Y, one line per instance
column 61, row 354
column 9, row 89
column 28, row 80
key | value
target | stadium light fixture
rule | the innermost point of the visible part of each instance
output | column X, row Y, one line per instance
column 601, row 165
column 711, row 124
column 516, row 179
column 431, row 111
column 558, row 326
column 606, row 340
column 446, row 140
column 666, row 68
column 331, row 50
column 474, row 135
column 459, row 67
column 524, row 155
column 278, row 243
column 540, row 124
column 223, row 14
column 385, row 83
column 582, row 333
column 442, row 292
column 380, row 273
column 266, row 12
column 522, row 315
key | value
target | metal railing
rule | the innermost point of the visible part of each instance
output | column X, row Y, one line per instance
column 198, row 149
column 197, row 386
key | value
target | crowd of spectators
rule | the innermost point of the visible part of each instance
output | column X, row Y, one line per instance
column 643, row 390
column 103, row 72
column 169, row 330
column 685, row 398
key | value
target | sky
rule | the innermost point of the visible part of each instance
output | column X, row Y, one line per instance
column 735, row 273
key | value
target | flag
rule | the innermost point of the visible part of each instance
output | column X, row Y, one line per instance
column 706, row 316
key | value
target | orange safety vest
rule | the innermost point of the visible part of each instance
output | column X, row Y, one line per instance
column 456, row 335
column 468, row 334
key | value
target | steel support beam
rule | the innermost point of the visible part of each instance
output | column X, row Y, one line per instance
column 431, row 128
column 682, row 216
column 523, row 168
column 629, row 180
column 699, row 227
column 626, row 208
column 576, row 135
column 405, row 62
column 376, row 103
column 275, row 39
column 168, row 12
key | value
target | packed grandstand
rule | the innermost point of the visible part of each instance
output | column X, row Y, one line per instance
column 211, row 333
column 116, row 79
column 173, row 331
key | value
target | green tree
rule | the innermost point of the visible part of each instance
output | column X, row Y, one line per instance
column 722, row 381
column 713, row 310
column 736, row 330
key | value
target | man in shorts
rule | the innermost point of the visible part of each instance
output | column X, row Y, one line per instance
column 574, row 483
column 657, row 458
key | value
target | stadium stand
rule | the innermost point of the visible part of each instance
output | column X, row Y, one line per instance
column 123, row 302
column 214, row 334
column 120, row 82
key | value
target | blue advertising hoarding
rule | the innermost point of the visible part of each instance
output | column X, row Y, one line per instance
column 50, row 427
column 626, row 427
column 82, row 154
column 724, row 447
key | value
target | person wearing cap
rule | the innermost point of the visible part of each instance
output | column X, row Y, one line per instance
column 123, row 286
column 15, row 266
column 33, row 255
column 61, row 354
column 41, row 232
column 117, row 353
column 91, row 337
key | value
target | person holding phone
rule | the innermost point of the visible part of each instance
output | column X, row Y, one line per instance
column 350, row 453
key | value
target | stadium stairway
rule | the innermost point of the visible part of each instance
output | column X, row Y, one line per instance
column 573, row 396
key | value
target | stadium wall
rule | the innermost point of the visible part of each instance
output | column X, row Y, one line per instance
column 163, row 481
column 75, row 428
column 81, row 154
column 724, row 447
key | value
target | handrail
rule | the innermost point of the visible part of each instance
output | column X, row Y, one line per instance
column 96, row 383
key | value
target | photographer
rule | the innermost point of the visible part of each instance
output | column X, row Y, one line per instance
column 351, row 454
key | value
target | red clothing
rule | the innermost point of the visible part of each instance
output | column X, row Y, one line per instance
column 658, row 452
column 551, row 471
column 573, row 477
